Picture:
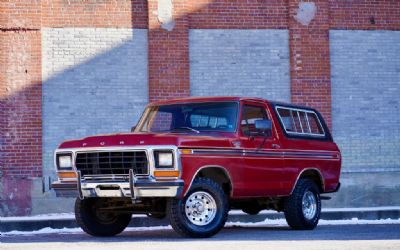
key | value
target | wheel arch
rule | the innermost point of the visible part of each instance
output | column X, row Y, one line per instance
column 216, row 173
column 313, row 174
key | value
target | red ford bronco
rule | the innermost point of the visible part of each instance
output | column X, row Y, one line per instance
column 195, row 159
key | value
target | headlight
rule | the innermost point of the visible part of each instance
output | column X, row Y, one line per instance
column 164, row 159
column 64, row 161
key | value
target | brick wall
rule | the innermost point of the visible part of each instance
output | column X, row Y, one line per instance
column 20, row 89
column 309, row 55
column 94, row 82
column 95, row 13
column 239, row 62
column 20, row 14
column 168, row 51
column 365, row 96
column 168, row 70
column 365, row 14
column 238, row 14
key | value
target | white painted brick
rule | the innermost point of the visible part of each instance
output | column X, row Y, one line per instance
column 366, row 97
column 94, row 82
column 252, row 63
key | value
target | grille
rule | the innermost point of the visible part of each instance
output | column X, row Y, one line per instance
column 112, row 163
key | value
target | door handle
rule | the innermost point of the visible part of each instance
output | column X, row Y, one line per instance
column 275, row 146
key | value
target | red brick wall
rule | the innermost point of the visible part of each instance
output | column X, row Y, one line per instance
column 309, row 59
column 20, row 14
column 238, row 14
column 168, row 58
column 20, row 93
column 365, row 14
column 23, row 98
column 95, row 13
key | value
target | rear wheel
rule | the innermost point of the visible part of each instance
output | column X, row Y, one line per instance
column 303, row 208
column 202, row 212
column 94, row 220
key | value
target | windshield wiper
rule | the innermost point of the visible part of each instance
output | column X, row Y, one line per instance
column 188, row 128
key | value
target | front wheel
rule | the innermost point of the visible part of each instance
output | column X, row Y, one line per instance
column 202, row 212
column 303, row 208
column 95, row 220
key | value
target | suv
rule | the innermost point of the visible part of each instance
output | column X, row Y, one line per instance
column 194, row 159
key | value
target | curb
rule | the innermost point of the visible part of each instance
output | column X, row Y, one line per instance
column 37, row 223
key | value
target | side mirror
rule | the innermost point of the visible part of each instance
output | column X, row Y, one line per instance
column 263, row 126
column 133, row 128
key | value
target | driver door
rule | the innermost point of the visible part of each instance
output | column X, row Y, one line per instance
column 263, row 159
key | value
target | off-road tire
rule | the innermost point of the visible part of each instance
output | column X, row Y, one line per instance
column 183, row 226
column 87, row 217
column 293, row 208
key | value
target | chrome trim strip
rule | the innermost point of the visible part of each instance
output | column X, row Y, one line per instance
column 79, row 186
column 132, row 181
column 308, row 123
column 272, row 153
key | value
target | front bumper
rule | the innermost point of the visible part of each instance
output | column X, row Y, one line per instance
column 107, row 187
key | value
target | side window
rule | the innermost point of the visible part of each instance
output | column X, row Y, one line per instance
column 315, row 125
column 250, row 115
column 302, row 122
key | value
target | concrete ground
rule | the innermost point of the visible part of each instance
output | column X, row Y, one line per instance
column 368, row 236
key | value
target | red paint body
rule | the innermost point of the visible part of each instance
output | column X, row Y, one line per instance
column 252, row 175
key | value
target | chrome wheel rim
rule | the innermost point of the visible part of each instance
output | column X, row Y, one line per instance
column 309, row 205
column 200, row 208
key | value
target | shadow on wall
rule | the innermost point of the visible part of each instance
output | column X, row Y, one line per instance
column 94, row 81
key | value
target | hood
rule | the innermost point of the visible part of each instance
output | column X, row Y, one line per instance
column 210, row 139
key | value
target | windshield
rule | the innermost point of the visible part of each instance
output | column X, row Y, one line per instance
column 190, row 117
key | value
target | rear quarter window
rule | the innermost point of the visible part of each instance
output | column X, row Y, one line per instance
column 300, row 122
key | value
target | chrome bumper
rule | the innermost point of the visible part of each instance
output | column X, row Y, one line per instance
column 133, row 188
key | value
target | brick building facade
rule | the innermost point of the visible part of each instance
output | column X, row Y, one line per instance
column 71, row 68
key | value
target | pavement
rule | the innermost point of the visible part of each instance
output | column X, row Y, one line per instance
column 232, row 237
column 58, row 221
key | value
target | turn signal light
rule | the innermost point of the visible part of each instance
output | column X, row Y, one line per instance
column 65, row 175
column 174, row 173
column 186, row 151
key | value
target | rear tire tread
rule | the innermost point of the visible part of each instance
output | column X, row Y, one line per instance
column 293, row 208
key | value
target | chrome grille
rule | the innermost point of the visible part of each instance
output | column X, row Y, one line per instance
column 112, row 163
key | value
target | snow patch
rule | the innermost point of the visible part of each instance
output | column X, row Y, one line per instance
column 266, row 223
column 49, row 230
column 282, row 222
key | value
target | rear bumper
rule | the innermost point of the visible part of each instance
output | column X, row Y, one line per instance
column 110, row 188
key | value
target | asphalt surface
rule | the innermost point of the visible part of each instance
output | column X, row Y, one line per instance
column 232, row 238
